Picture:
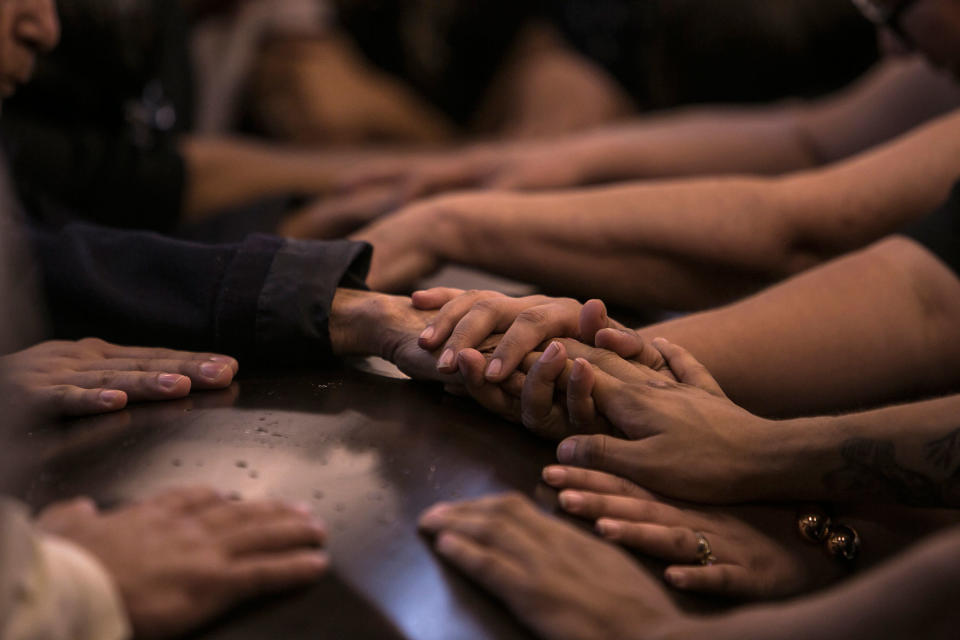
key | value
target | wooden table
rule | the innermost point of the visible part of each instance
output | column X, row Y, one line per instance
column 368, row 453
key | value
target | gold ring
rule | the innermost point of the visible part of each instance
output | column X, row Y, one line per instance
column 704, row 551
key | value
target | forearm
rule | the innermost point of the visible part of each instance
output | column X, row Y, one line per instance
column 910, row 597
column 694, row 141
column 840, row 337
column 227, row 172
column 908, row 454
column 695, row 242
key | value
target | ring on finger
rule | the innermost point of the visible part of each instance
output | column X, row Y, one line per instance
column 704, row 551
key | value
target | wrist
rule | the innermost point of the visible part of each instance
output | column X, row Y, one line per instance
column 795, row 456
column 350, row 316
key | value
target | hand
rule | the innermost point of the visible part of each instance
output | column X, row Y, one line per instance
column 92, row 376
column 751, row 563
column 335, row 217
column 466, row 319
column 185, row 556
column 687, row 440
column 561, row 582
column 405, row 249
column 498, row 166
column 367, row 323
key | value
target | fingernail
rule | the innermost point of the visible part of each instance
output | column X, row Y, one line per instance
column 212, row 370
column 221, row 359
column 566, row 451
column 494, row 369
column 551, row 353
column 608, row 528
column 660, row 341
column 169, row 380
column 676, row 578
column 571, row 500
column 111, row 397
column 428, row 333
column 554, row 475
column 446, row 360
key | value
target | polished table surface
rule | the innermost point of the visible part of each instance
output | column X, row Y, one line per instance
column 368, row 452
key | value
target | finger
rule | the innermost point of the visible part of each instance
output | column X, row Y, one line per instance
column 540, row 412
column 254, row 576
column 607, row 361
column 483, row 528
column 110, row 350
column 493, row 569
column 435, row 298
column 670, row 544
column 580, row 407
column 531, row 327
column 61, row 515
column 443, row 324
column 509, row 506
column 593, row 318
column 604, row 453
column 492, row 397
column 68, row 400
column 562, row 477
column 719, row 579
column 188, row 499
column 628, row 344
column 204, row 374
column 593, row 506
column 490, row 314
column 686, row 368
column 228, row 515
column 265, row 537
column 138, row 385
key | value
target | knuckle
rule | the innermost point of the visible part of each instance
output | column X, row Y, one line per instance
column 532, row 316
column 678, row 540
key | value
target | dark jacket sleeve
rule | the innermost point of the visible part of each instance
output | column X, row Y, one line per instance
column 266, row 299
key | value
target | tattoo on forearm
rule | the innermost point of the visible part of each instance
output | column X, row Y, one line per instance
column 871, row 467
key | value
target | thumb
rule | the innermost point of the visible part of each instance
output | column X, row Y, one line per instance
column 602, row 453
column 593, row 318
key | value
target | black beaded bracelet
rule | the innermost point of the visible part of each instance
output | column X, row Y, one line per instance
column 840, row 541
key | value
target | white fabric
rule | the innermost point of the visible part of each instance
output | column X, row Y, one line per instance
column 51, row 589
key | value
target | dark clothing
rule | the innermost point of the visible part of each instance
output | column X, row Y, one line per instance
column 266, row 299
column 665, row 53
column 95, row 131
column 671, row 52
column 940, row 231
column 448, row 51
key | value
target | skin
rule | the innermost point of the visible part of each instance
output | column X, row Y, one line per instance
column 785, row 351
column 707, row 240
column 27, row 29
column 185, row 556
column 560, row 581
column 557, row 591
column 90, row 376
column 759, row 554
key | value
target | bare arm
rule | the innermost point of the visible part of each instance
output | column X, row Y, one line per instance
column 872, row 327
column 769, row 140
column 227, row 172
column 691, row 243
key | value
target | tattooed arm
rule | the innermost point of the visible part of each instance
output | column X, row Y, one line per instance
column 908, row 454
